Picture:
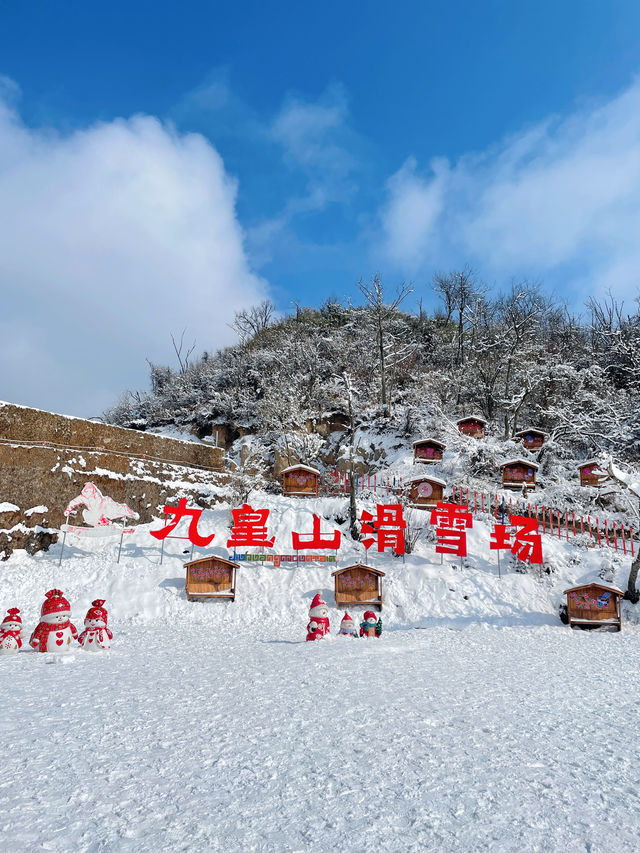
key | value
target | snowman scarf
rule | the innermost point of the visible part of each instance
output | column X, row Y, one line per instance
column 40, row 636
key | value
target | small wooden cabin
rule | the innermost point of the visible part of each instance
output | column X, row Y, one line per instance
column 358, row 585
column 594, row 604
column 591, row 474
column 425, row 491
column 210, row 577
column 515, row 472
column 301, row 480
column 532, row 438
column 472, row 426
column 428, row 450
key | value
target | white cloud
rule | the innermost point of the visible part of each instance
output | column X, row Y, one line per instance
column 112, row 238
column 563, row 196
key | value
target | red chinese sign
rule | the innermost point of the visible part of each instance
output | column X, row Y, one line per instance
column 527, row 544
column 452, row 521
column 388, row 528
column 316, row 542
column 179, row 512
column 249, row 528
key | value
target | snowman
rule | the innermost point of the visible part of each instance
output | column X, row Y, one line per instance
column 96, row 637
column 318, row 625
column 371, row 626
column 347, row 628
column 11, row 632
column 55, row 632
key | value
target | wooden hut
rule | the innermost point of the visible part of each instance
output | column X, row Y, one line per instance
column 591, row 474
column 301, row 480
column 425, row 491
column 358, row 585
column 210, row 577
column 532, row 438
column 515, row 472
column 472, row 426
column 428, row 450
column 594, row 604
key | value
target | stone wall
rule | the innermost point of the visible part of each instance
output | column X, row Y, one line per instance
column 45, row 461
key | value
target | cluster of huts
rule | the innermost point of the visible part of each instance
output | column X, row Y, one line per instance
column 426, row 490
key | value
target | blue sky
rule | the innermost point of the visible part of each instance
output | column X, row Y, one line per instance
column 163, row 165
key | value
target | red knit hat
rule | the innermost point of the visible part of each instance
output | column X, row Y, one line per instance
column 346, row 618
column 369, row 614
column 13, row 615
column 97, row 611
column 55, row 602
column 317, row 601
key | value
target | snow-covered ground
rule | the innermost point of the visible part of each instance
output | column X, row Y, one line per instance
column 477, row 722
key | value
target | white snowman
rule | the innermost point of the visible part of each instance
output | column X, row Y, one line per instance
column 11, row 632
column 55, row 631
column 96, row 637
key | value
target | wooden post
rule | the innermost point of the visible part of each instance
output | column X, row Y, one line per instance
column 573, row 516
column 598, row 532
column 615, row 536
column 559, row 527
column 544, row 520
column 606, row 533
column 482, row 502
column 624, row 543
column 566, row 525
column 589, row 523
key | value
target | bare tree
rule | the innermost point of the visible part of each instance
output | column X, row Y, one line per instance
column 250, row 322
column 381, row 313
column 183, row 360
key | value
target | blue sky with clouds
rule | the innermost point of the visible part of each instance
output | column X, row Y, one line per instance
column 163, row 165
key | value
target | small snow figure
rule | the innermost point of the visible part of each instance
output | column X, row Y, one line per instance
column 371, row 627
column 318, row 619
column 11, row 632
column 96, row 637
column 347, row 628
column 55, row 631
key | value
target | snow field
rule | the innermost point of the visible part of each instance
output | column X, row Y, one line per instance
column 214, row 726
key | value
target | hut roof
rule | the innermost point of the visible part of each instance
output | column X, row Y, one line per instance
column 297, row 467
column 591, row 462
column 530, row 429
column 210, row 558
column 358, row 566
column 430, row 441
column 520, row 462
column 471, row 418
column 429, row 478
column 602, row 586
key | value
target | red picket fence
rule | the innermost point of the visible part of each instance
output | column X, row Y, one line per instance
column 552, row 521
column 338, row 484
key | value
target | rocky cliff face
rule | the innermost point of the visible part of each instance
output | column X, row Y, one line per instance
column 46, row 459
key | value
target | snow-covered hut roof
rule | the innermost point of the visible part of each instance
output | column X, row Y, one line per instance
column 428, row 477
column 530, row 429
column 297, row 467
column 605, row 587
column 520, row 462
column 592, row 462
column 478, row 418
column 431, row 441
column 358, row 566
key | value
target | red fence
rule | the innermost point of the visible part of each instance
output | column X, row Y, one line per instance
column 553, row 521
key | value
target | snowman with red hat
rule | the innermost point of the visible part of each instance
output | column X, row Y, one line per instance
column 318, row 626
column 55, row 631
column 347, row 627
column 371, row 626
column 96, row 637
column 11, row 632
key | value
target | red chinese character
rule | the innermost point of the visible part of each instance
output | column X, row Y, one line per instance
column 249, row 528
column 388, row 526
column 527, row 544
column 451, row 521
column 316, row 543
column 181, row 512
